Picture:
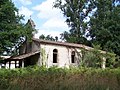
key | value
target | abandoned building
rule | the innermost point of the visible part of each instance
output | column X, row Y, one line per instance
column 48, row 53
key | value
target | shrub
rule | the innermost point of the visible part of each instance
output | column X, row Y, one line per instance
column 41, row 78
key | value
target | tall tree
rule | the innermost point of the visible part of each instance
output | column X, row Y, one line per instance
column 105, row 25
column 12, row 31
column 75, row 11
column 102, row 28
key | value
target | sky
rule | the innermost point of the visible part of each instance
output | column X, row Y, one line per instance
column 48, row 20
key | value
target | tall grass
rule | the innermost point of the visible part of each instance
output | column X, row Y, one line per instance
column 41, row 78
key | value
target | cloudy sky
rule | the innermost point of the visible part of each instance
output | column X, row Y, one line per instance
column 48, row 20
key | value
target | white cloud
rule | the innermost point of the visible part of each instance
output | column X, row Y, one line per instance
column 46, row 10
column 25, row 11
column 54, row 20
column 54, row 23
column 26, row 2
column 47, row 32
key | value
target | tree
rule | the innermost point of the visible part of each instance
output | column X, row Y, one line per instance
column 75, row 11
column 102, row 28
column 12, row 30
column 48, row 37
column 105, row 25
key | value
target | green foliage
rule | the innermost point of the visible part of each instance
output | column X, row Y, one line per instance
column 102, row 28
column 105, row 26
column 41, row 78
column 75, row 16
column 94, row 58
column 43, row 56
column 10, row 26
column 48, row 37
column 91, row 58
column 12, row 30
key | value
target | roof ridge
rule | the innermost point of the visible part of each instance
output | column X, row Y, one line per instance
column 62, row 43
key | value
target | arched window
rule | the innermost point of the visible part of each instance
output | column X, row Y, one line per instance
column 55, row 55
column 73, row 57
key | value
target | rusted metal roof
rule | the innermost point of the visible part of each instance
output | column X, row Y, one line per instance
column 19, row 57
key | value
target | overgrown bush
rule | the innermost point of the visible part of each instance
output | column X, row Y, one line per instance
column 41, row 78
column 94, row 58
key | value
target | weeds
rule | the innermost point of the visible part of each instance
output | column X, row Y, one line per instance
column 41, row 78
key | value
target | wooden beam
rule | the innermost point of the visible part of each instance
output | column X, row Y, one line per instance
column 15, row 64
column 9, row 64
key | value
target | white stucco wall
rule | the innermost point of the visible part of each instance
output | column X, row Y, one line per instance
column 64, row 55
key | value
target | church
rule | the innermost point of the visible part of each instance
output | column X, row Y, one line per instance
column 48, row 53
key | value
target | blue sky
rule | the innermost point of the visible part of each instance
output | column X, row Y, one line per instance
column 48, row 20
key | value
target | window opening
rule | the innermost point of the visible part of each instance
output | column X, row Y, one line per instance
column 73, row 57
column 55, row 54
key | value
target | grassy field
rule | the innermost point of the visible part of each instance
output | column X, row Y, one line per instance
column 41, row 78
